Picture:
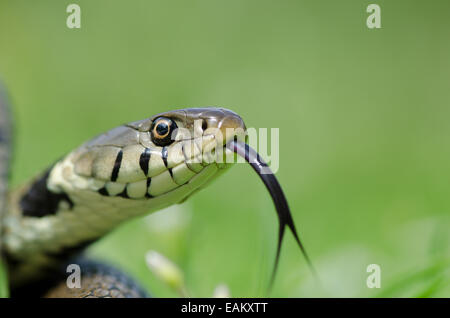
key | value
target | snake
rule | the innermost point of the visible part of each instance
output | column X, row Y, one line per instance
column 130, row 171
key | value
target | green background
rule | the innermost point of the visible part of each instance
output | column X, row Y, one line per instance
column 363, row 117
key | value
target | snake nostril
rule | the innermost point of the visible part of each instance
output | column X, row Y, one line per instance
column 204, row 125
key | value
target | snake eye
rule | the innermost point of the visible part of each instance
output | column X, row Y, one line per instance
column 161, row 131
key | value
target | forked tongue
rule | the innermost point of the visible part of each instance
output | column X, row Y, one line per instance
column 281, row 205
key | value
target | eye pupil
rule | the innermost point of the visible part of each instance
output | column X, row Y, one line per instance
column 162, row 128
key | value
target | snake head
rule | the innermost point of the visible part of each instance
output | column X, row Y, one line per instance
column 160, row 160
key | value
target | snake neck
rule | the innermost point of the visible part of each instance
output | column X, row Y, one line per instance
column 44, row 228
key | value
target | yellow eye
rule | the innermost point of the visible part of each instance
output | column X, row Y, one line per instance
column 161, row 131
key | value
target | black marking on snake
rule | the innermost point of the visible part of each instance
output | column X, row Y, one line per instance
column 164, row 155
column 117, row 163
column 144, row 160
column 124, row 194
column 149, row 182
column 39, row 201
column 103, row 191
column 281, row 205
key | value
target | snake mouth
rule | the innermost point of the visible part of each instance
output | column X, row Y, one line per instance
column 273, row 186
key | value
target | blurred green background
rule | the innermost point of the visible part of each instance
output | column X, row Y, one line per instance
column 363, row 117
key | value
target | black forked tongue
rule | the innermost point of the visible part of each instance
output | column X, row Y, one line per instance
column 281, row 205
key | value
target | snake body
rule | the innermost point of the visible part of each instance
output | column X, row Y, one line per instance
column 129, row 171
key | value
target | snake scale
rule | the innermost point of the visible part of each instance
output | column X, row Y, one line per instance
column 130, row 171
